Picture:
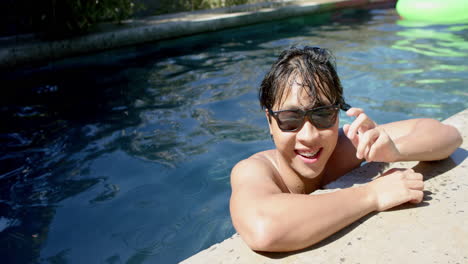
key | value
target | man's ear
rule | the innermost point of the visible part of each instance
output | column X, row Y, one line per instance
column 267, row 115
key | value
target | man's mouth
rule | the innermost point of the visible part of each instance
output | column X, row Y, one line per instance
column 310, row 155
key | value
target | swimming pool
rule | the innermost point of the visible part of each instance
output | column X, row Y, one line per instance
column 124, row 156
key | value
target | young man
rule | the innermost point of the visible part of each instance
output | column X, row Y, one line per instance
column 302, row 95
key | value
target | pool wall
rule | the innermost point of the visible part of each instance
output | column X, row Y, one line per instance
column 434, row 231
column 23, row 50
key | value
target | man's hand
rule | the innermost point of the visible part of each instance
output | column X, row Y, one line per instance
column 372, row 143
column 395, row 187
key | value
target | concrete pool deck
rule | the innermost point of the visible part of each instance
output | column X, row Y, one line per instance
column 24, row 50
column 435, row 231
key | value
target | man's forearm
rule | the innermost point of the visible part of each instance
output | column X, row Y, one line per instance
column 295, row 221
column 428, row 140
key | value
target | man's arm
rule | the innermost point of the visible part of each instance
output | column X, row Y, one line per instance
column 423, row 139
column 408, row 140
column 270, row 220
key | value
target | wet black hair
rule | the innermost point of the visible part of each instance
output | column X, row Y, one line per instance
column 314, row 66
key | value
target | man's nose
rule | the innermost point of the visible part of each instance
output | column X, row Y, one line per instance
column 307, row 132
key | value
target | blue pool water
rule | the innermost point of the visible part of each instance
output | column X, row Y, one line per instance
column 124, row 156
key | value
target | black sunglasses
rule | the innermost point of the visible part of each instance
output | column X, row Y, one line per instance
column 321, row 117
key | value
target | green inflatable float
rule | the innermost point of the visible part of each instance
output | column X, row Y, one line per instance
column 434, row 11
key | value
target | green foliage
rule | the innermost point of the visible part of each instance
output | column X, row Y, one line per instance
column 61, row 18
column 171, row 6
column 80, row 15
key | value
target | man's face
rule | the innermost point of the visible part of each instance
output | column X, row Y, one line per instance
column 306, row 151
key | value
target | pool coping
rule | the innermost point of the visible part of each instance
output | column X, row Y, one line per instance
column 24, row 50
column 434, row 231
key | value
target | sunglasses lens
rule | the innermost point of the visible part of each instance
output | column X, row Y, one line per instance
column 289, row 120
column 323, row 118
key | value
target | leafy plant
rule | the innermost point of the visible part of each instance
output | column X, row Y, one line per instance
column 80, row 15
column 60, row 18
column 170, row 6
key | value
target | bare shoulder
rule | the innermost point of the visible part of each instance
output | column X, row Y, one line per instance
column 257, row 171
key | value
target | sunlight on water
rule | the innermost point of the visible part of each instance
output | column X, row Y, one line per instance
column 432, row 43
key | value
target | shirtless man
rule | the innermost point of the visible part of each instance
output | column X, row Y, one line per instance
column 302, row 95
